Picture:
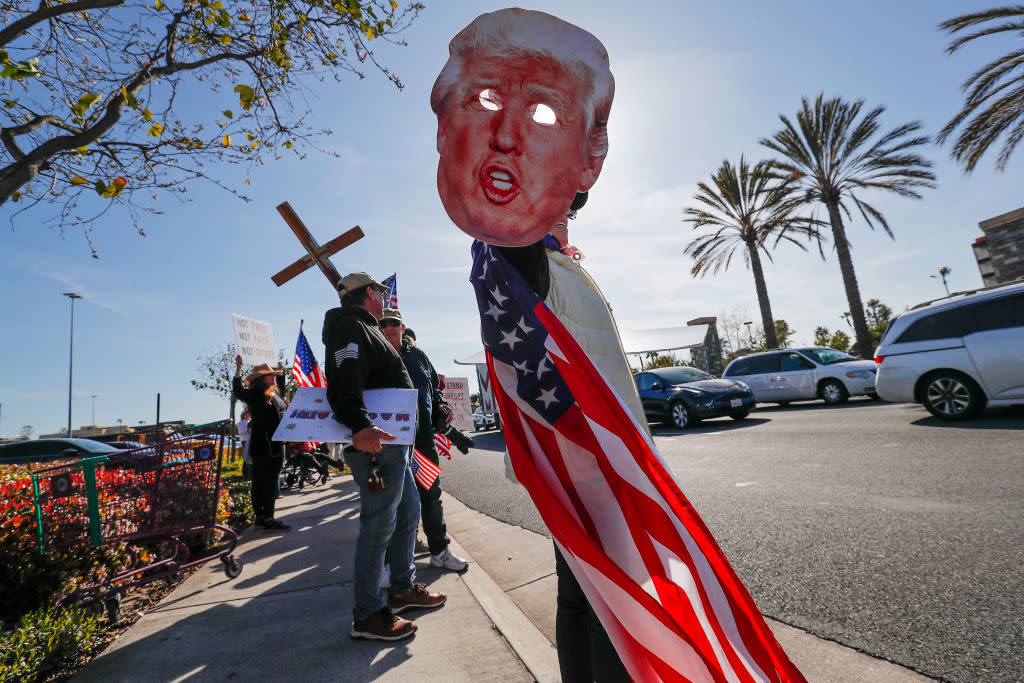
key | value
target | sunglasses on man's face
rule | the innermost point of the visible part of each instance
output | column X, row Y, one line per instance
column 389, row 323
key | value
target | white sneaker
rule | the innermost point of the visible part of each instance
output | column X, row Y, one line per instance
column 448, row 560
column 385, row 577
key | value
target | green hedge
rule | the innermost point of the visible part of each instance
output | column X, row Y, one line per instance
column 42, row 641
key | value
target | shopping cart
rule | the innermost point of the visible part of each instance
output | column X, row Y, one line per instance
column 147, row 498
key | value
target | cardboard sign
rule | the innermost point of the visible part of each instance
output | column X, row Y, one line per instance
column 255, row 341
column 309, row 417
column 456, row 392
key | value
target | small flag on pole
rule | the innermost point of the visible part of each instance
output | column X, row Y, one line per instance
column 443, row 445
column 305, row 369
column 391, row 296
column 425, row 472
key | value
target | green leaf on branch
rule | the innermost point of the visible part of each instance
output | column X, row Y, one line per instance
column 79, row 180
column 155, row 130
column 246, row 95
column 228, row 113
column 15, row 196
column 225, row 39
column 129, row 99
column 101, row 187
column 147, row 114
column 18, row 70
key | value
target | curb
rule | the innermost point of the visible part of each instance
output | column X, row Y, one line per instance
column 525, row 639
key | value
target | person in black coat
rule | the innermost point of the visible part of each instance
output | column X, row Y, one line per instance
column 263, row 395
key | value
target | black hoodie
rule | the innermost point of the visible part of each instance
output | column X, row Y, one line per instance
column 359, row 357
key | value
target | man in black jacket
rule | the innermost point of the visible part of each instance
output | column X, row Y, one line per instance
column 431, row 403
column 360, row 358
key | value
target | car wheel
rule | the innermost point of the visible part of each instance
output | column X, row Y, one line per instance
column 740, row 416
column 680, row 416
column 476, row 427
column 952, row 396
column 834, row 393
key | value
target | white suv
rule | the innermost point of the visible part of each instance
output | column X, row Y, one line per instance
column 956, row 354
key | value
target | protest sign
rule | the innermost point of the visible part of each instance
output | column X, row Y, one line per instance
column 254, row 340
column 456, row 392
column 309, row 417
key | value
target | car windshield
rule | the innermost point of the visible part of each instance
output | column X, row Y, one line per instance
column 681, row 375
column 93, row 446
column 826, row 356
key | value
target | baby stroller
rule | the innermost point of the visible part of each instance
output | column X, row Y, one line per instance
column 304, row 464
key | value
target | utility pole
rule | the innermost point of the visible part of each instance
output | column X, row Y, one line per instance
column 750, row 337
column 158, row 409
column 71, row 354
column 93, row 409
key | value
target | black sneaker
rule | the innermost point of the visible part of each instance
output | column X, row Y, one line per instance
column 274, row 525
column 382, row 625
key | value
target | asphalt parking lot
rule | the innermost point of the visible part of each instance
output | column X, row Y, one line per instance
column 871, row 524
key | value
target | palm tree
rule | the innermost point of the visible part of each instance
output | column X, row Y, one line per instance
column 829, row 153
column 944, row 272
column 994, row 94
column 746, row 207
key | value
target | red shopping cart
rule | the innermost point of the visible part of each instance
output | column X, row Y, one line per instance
column 148, row 498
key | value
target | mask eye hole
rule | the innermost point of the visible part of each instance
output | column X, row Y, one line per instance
column 543, row 114
column 489, row 100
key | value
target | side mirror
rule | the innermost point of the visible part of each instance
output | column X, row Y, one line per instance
column 69, row 452
column 656, row 386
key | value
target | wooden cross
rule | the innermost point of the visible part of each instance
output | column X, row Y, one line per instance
column 316, row 255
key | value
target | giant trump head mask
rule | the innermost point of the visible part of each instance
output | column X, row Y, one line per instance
column 522, row 108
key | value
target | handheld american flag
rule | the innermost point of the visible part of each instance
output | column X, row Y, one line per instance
column 423, row 470
column 305, row 369
column 664, row 591
column 391, row 296
column 443, row 445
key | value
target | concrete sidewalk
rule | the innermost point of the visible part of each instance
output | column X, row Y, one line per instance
column 287, row 616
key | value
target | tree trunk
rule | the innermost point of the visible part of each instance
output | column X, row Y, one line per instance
column 865, row 345
column 770, row 339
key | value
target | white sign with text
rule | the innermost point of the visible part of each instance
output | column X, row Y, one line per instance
column 456, row 392
column 309, row 417
column 255, row 341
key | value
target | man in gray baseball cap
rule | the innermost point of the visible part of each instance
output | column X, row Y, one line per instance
column 360, row 358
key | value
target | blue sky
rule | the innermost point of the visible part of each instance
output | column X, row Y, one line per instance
column 695, row 83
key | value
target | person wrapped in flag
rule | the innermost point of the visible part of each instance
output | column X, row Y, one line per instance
column 522, row 107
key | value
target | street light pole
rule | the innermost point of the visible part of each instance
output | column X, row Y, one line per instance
column 750, row 336
column 71, row 354
column 93, row 410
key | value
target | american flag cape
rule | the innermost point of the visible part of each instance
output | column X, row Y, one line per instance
column 305, row 369
column 664, row 591
column 391, row 296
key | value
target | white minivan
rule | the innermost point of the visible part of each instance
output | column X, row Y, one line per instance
column 956, row 354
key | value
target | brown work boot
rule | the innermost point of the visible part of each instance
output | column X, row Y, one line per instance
column 419, row 597
column 382, row 625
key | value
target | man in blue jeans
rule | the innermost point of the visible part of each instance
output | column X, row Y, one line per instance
column 360, row 358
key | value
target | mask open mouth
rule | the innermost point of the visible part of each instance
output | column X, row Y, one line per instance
column 498, row 183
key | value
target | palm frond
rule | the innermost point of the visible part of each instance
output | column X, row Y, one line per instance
column 993, row 95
